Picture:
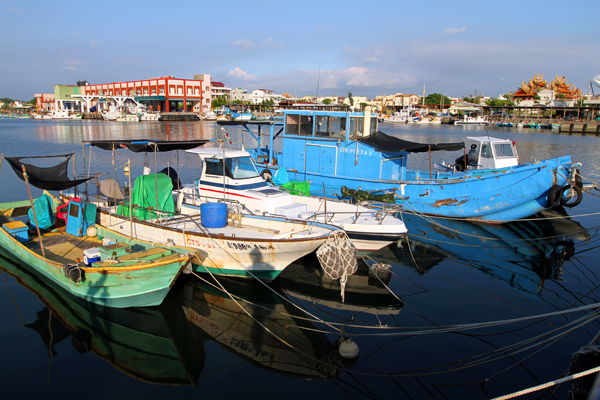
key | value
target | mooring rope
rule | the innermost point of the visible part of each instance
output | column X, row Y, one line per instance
column 548, row 384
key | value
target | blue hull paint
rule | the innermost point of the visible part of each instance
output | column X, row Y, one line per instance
column 498, row 195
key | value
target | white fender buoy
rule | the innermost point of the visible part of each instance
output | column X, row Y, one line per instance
column 348, row 349
column 92, row 231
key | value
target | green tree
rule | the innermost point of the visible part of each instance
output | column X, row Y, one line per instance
column 327, row 101
column 351, row 98
column 436, row 99
column 219, row 101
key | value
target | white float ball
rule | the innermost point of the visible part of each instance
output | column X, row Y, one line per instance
column 92, row 231
column 348, row 349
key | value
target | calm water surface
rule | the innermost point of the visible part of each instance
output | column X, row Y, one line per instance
column 200, row 343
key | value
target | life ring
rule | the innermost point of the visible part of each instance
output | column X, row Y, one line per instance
column 267, row 175
column 555, row 195
column 571, row 195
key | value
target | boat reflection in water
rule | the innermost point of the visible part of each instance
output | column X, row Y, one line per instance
column 250, row 334
column 523, row 254
column 153, row 344
column 273, row 331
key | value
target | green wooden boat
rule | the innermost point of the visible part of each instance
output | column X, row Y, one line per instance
column 152, row 344
column 131, row 273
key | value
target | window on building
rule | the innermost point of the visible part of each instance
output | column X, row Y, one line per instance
column 179, row 90
column 162, row 90
column 153, row 90
column 138, row 92
column 196, row 91
column 145, row 91
column 172, row 89
column 116, row 93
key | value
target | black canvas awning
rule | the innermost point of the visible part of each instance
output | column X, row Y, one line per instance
column 46, row 178
column 384, row 142
column 147, row 145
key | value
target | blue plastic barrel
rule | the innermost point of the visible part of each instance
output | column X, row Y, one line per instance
column 213, row 215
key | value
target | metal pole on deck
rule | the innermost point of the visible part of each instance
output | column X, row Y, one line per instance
column 74, row 173
column 429, row 162
column 37, row 227
column 156, row 179
column 325, row 202
column 1, row 159
column 84, row 169
column 130, row 201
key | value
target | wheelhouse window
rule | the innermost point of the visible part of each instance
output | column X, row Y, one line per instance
column 235, row 168
column 214, row 167
column 241, row 168
column 356, row 127
column 486, row 151
column 503, row 150
column 334, row 127
column 299, row 125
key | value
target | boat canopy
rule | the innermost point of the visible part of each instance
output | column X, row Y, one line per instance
column 45, row 178
column 387, row 143
column 147, row 145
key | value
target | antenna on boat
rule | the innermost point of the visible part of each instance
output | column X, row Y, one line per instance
column 318, row 79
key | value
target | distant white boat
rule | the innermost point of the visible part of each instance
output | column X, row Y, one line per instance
column 57, row 114
column 477, row 120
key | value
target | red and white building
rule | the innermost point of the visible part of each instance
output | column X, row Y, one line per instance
column 164, row 93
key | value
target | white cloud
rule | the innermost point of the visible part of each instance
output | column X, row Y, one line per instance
column 244, row 44
column 70, row 68
column 372, row 59
column 96, row 44
column 271, row 43
column 15, row 10
column 239, row 73
column 452, row 31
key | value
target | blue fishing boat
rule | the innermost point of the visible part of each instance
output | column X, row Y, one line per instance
column 335, row 150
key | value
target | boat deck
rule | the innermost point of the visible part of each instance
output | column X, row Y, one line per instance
column 62, row 247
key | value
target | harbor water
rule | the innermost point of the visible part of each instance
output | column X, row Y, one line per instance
column 469, row 311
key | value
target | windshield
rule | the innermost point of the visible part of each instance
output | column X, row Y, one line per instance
column 241, row 168
column 237, row 168
column 503, row 150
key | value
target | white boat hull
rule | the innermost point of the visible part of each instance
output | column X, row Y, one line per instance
column 263, row 252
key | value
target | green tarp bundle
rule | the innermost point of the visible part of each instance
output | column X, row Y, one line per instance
column 146, row 190
column 297, row 188
column 361, row 195
column 43, row 212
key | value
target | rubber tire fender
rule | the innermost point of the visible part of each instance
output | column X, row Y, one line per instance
column 267, row 175
column 555, row 196
column 578, row 194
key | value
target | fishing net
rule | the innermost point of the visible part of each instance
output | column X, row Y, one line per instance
column 337, row 257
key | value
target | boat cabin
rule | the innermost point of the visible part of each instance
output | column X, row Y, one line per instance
column 491, row 152
column 241, row 181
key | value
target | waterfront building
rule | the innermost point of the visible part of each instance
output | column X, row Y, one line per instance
column 239, row 94
column 258, row 96
column 44, row 102
column 355, row 102
column 165, row 93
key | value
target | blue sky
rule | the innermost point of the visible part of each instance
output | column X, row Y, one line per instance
column 367, row 48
